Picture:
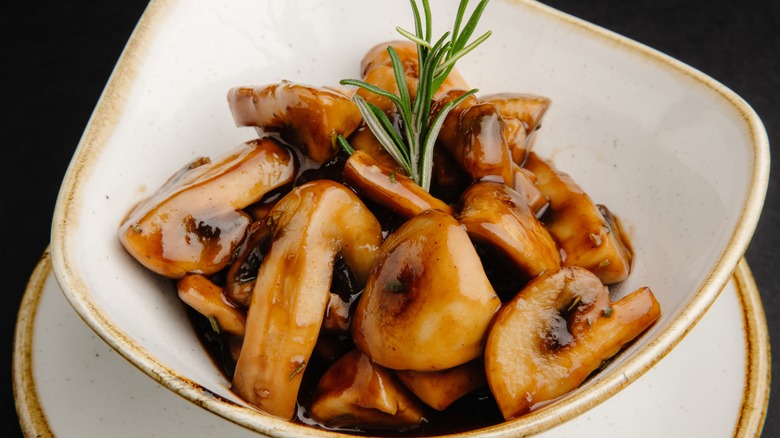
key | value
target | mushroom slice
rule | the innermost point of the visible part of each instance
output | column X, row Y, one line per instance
column 364, row 140
column 529, row 109
column 396, row 191
column 525, row 185
column 589, row 238
column 241, row 275
column 194, row 222
column 337, row 316
column 207, row 298
column 427, row 303
column 308, row 117
column 357, row 393
column 378, row 56
column 311, row 225
column 450, row 128
column 475, row 136
column 558, row 330
column 407, row 52
column 516, row 138
column 439, row 389
column 383, row 76
column 499, row 218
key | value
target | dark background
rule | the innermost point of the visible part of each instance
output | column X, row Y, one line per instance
column 58, row 57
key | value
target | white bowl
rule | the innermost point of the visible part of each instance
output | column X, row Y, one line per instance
column 681, row 159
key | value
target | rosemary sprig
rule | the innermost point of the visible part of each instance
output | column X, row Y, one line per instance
column 411, row 141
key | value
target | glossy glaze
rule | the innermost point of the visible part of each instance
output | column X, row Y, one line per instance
column 194, row 222
column 499, row 218
column 388, row 188
column 560, row 328
column 641, row 90
column 427, row 302
column 311, row 225
column 356, row 392
column 577, row 224
column 306, row 116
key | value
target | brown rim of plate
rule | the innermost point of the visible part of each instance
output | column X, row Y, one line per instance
column 750, row 421
column 32, row 418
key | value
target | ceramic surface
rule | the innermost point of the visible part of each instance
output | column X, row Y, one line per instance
column 675, row 398
column 682, row 160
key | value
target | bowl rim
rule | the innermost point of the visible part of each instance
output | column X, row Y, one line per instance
column 33, row 416
column 114, row 97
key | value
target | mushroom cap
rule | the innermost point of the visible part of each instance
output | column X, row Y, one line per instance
column 427, row 303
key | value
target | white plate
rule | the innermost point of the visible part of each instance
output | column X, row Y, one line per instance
column 68, row 382
column 680, row 158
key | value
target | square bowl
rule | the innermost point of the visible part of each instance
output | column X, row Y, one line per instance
column 681, row 159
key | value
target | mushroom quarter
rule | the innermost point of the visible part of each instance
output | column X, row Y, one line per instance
column 427, row 302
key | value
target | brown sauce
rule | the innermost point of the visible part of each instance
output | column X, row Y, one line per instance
column 474, row 411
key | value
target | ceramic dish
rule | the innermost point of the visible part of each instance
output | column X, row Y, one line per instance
column 675, row 398
column 680, row 158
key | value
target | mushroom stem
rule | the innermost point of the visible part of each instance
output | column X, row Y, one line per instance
column 558, row 330
column 393, row 190
column 208, row 299
column 312, row 224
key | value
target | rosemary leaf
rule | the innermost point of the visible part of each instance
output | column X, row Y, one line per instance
column 345, row 145
column 447, row 65
column 456, row 26
column 433, row 133
column 428, row 21
column 412, row 37
column 388, row 125
column 400, row 79
column 372, row 88
column 422, row 49
column 470, row 25
column 411, row 140
column 383, row 136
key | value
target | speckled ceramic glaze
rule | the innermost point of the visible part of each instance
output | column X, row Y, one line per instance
column 674, row 398
column 680, row 158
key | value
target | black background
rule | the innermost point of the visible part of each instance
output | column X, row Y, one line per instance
column 57, row 58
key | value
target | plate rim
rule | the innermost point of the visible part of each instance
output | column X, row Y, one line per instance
column 752, row 411
column 103, row 120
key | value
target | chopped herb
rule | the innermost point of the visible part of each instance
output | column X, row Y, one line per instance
column 345, row 145
column 272, row 219
column 605, row 263
column 214, row 325
column 297, row 370
column 607, row 312
column 392, row 177
column 573, row 304
column 395, row 286
column 137, row 228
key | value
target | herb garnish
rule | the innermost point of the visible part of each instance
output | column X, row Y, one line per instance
column 573, row 304
column 411, row 143
column 395, row 286
column 214, row 325
column 297, row 370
